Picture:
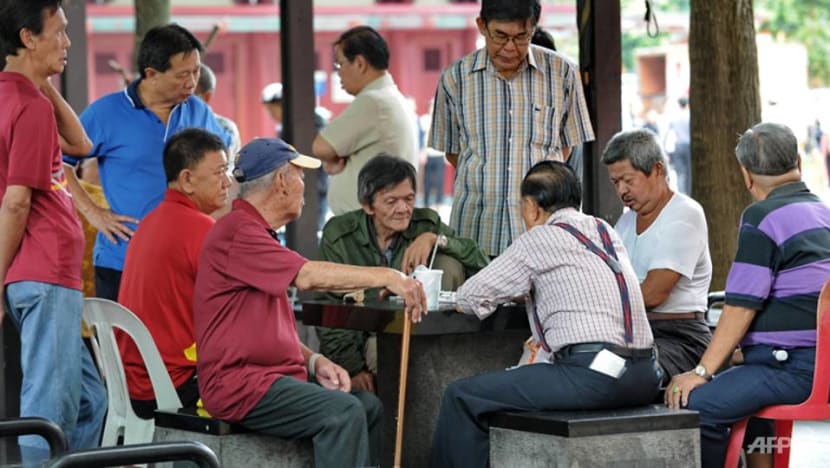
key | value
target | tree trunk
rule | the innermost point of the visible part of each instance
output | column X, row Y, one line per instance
column 724, row 102
column 148, row 14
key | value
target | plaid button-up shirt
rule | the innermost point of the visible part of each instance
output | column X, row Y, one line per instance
column 500, row 128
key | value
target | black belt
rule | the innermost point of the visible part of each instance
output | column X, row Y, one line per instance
column 599, row 346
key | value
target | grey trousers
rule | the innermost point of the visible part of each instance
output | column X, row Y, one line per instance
column 346, row 429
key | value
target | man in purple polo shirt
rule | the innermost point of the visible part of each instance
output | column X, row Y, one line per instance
column 252, row 368
column 782, row 262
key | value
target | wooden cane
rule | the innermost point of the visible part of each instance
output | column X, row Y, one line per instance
column 407, row 329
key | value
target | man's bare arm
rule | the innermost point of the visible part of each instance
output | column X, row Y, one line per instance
column 14, row 213
column 658, row 286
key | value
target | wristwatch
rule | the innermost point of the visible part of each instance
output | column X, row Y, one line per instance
column 441, row 240
column 702, row 372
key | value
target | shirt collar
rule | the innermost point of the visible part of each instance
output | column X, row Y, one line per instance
column 481, row 61
column 562, row 215
column 788, row 189
column 380, row 82
column 174, row 196
column 132, row 94
column 17, row 78
column 252, row 213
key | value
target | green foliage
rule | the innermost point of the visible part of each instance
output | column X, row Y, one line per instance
column 635, row 40
column 804, row 21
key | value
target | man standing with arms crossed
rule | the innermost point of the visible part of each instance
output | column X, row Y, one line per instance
column 41, row 241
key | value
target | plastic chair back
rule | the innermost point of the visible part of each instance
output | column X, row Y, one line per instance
column 104, row 315
column 814, row 408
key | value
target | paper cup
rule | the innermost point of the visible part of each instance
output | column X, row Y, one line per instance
column 431, row 281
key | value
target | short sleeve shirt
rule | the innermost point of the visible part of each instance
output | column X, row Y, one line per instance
column 52, row 247
column 246, row 335
column 377, row 121
column 128, row 139
column 782, row 262
column 500, row 128
column 157, row 286
column 677, row 240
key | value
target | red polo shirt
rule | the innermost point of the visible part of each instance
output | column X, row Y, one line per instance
column 52, row 247
column 157, row 285
column 246, row 336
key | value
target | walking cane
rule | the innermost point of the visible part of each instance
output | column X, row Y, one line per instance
column 407, row 329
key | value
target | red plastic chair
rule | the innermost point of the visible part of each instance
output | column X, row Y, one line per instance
column 815, row 408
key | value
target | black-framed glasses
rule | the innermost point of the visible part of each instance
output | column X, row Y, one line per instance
column 499, row 38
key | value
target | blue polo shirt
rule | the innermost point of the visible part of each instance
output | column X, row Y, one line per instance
column 128, row 139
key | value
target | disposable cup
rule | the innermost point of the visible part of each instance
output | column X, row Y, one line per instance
column 431, row 281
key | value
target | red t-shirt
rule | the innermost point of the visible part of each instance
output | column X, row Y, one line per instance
column 157, row 285
column 52, row 247
column 246, row 336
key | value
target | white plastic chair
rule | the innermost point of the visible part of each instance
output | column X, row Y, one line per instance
column 103, row 315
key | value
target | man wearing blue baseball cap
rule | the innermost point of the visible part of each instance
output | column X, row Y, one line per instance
column 252, row 368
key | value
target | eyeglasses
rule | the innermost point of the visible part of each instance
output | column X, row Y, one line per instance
column 501, row 39
column 337, row 66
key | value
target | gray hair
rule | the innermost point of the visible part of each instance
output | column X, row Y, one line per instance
column 207, row 80
column 382, row 172
column 769, row 149
column 640, row 147
column 249, row 187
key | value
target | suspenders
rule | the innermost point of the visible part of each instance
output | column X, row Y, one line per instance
column 609, row 256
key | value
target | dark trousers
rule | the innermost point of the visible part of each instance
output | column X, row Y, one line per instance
column 461, row 436
column 107, row 283
column 743, row 390
column 680, row 343
column 434, row 181
column 346, row 429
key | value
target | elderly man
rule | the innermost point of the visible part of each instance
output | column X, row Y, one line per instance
column 498, row 111
column 205, row 89
column 128, row 130
column 252, row 368
column 584, row 306
column 389, row 231
column 378, row 120
column 41, row 241
column 666, row 238
column 783, row 259
column 162, row 261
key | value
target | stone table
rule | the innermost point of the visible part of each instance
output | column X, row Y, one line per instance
column 445, row 346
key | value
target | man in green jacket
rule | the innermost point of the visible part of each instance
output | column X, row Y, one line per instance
column 389, row 231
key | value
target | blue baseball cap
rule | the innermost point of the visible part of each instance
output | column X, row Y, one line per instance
column 263, row 155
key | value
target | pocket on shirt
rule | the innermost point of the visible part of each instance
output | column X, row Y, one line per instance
column 544, row 135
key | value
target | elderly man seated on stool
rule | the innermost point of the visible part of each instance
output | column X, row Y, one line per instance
column 252, row 368
column 666, row 238
column 584, row 306
column 782, row 262
column 389, row 231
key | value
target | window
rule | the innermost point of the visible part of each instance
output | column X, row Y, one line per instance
column 432, row 59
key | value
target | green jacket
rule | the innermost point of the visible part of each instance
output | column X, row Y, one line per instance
column 346, row 239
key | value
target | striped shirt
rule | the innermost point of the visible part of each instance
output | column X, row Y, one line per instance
column 571, row 290
column 783, row 260
column 500, row 128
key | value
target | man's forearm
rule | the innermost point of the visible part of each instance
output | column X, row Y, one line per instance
column 327, row 276
column 732, row 326
column 452, row 158
column 74, row 139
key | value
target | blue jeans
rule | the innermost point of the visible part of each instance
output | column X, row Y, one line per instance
column 743, row 390
column 60, row 381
